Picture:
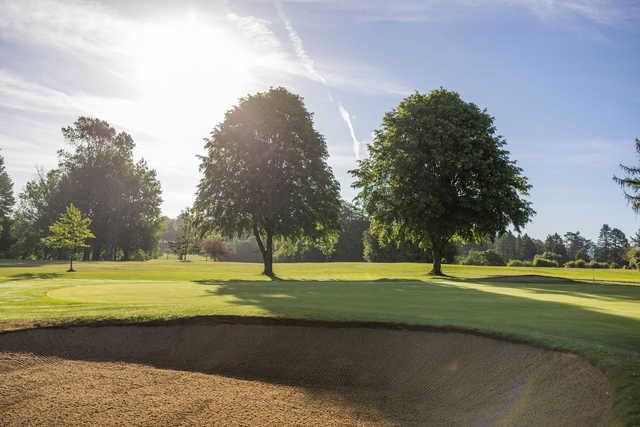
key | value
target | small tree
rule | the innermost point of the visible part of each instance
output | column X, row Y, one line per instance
column 69, row 232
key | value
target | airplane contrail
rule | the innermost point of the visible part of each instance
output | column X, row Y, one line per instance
column 314, row 74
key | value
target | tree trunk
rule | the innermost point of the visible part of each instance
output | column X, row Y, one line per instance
column 266, row 249
column 437, row 261
column 71, row 256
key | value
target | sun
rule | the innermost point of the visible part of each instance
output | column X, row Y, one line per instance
column 188, row 63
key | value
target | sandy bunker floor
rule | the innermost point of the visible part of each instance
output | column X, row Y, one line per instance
column 212, row 372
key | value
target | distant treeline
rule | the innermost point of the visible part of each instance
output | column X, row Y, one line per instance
column 97, row 173
column 355, row 243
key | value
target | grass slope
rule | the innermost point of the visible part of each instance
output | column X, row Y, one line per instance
column 600, row 320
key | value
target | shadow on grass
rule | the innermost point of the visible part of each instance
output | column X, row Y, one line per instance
column 13, row 263
column 33, row 276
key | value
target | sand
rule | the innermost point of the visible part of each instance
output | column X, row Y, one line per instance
column 249, row 372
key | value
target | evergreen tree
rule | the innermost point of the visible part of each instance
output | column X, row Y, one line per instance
column 604, row 245
column 554, row 243
column 506, row 246
column 6, row 206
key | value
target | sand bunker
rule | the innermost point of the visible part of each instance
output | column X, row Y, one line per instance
column 250, row 373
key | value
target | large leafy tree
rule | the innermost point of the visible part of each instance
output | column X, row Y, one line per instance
column 98, row 174
column 70, row 233
column 437, row 170
column 265, row 173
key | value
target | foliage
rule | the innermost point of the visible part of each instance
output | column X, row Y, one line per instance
column 506, row 245
column 578, row 263
column 519, row 263
column 244, row 249
column 630, row 183
column 6, row 206
column 186, row 241
column 266, row 174
column 6, row 191
column 215, row 249
column 39, row 206
column 70, row 232
column 488, row 257
column 98, row 174
column 401, row 251
column 527, row 248
column 596, row 264
column 540, row 261
column 350, row 243
column 555, row 244
column 577, row 247
column 552, row 256
column 437, row 170
column 612, row 245
column 632, row 256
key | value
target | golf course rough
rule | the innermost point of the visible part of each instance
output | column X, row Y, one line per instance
column 219, row 371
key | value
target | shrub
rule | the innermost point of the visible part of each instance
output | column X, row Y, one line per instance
column 539, row 261
column 579, row 263
column 519, row 263
column 594, row 264
column 482, row 258
column 552, row 256
column 139, row 255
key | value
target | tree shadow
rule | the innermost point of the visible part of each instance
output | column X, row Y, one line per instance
column 13, row 263
column 561, row 286
column 33, row 276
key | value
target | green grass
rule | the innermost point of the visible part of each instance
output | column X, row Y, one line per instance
column 598, row 319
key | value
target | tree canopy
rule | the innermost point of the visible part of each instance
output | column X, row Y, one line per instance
column 437, row 170
column 99, row 175
column 266, row 173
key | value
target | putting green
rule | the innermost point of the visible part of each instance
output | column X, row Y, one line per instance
column 131, row 293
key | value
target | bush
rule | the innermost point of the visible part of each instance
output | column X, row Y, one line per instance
column 552, row 256
column 139, row 255
column 539, row 261
column 482, row 258
column 519, row 263
column 594, row 264
column 579, row 263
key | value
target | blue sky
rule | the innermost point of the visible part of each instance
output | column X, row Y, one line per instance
column 561, row 78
